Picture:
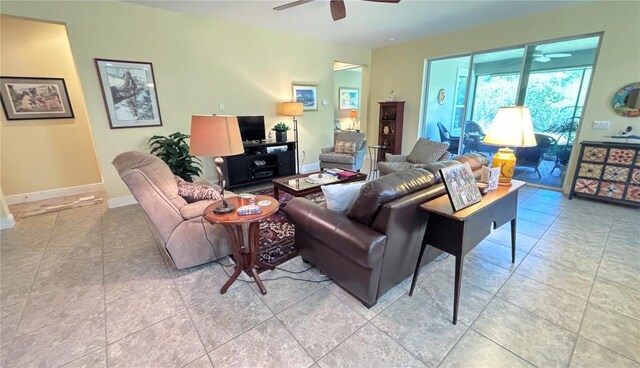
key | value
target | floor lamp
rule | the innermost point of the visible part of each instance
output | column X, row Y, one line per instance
column 216, row 136
column 294, row 109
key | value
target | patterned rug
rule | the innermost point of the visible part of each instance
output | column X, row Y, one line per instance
column 277, row 233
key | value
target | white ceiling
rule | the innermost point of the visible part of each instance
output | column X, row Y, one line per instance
column 367, row 24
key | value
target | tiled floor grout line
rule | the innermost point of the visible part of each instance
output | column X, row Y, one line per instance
column 26, row 302
column 595, row 277
column 104, row 293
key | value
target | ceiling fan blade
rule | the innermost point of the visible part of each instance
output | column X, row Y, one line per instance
column 338, row 10
column 542, row 59
column 292, row 4
column 558, row 55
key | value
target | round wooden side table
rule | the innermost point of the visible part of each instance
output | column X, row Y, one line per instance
column 245, row 255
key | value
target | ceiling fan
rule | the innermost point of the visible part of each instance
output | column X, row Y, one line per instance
column 544, row 58
column 338, row 10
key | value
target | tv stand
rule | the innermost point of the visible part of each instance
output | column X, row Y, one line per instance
column 261, row 161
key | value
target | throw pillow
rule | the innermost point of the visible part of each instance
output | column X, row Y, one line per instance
column 345, row 147
column 341, row 197
column 426, row 151
column 192, row 192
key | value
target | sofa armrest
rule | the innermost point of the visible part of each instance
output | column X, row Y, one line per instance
column 395, row 158
column 335, row 230
column 326, row 149
column 195, row 209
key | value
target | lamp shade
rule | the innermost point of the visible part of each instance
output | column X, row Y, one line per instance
column 512, row 127
column 292, row 108
column 353, row 114
column 213, row 135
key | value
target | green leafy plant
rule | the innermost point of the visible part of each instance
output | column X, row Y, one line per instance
column 566, row 130
column 280, row 127
column 174, row 151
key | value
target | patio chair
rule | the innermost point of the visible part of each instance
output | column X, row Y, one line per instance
column 532, row 156
column 454, row 142
column 475, row 134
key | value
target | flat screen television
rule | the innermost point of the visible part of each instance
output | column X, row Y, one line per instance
column 252, row 128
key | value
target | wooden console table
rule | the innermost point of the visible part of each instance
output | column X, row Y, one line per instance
column 457, row 233
column 245, row 255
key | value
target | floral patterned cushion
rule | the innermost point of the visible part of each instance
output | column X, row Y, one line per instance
column 345, row 147
column 192, row 192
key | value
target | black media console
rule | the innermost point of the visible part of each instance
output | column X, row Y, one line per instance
column 260, row 162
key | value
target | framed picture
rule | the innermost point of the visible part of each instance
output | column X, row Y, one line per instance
column 27, row 98
column 461, row 186
column 129, row 91
column 348, row 98
column 307, row 94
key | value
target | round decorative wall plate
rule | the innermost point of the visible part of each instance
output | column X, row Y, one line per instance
column 441, row 96
column 626, row 102
column 385, row 130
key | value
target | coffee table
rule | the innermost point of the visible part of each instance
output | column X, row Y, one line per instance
column 298, row 186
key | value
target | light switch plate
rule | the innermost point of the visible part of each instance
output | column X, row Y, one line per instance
column 601, row 125
column 324, row 103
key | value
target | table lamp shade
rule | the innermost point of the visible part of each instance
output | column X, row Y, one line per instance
column 292, row 109
column 353, row 114
column 213, row 135
column 512, row 127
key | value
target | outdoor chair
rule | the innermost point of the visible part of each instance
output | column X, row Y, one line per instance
column 532, row 156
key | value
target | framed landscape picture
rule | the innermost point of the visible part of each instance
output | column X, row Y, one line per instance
column 307, row 94
column 28, row 98
column 461, row 186
column 129, row 91
column 348, row 99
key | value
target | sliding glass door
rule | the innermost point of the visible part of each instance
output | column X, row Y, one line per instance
column 463, row 94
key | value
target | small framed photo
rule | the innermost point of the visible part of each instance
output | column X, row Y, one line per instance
column 461, row 186
column 348, row 99
column 129, row 91
column 27, row 98
column 307, row 94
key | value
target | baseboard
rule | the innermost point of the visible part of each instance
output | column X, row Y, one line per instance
column 310, row 167
column 7, row 222
column 121, row 201
column 54, row 193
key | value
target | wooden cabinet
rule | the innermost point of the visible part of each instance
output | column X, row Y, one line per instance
column 608, row 171
column 260, row 162
column 390, row 128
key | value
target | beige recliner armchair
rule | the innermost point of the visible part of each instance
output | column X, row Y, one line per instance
column 188, row 239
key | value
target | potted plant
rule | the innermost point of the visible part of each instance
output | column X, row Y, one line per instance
column 565, row 129
column 281, row 131
column 174, row 151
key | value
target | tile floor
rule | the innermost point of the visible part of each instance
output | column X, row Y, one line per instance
column 88, row 287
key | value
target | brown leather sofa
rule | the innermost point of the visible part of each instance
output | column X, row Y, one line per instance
column 375, row 245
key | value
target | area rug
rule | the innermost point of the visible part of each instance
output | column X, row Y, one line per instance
column 277, row 243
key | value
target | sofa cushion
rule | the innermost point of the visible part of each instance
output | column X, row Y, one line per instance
column 386, row 188
column 475, row 160
column 351, row 136
column 193, row 192
column 426, row 151
column 341, row 197
column 345, row 147
column 389, row 167
column 339, row 158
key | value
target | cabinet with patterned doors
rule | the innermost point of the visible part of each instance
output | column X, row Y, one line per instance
column 390, row 125
column 608, row 171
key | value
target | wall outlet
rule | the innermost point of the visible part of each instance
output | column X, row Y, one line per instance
column 601, row 125
column 221, row 107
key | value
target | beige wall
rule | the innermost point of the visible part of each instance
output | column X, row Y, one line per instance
column 198, row 63
column 400, row 67
column 42, row 155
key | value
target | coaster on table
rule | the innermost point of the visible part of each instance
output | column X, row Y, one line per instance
column 264, row 203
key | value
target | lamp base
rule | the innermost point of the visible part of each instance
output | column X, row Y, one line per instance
column 222, row 209
column 506, row 161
